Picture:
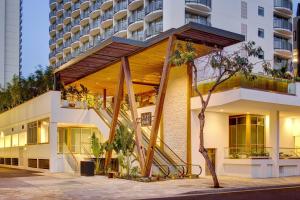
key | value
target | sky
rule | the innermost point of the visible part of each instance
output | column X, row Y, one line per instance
column 36, row 35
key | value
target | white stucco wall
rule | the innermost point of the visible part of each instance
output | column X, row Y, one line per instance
column 216, row 136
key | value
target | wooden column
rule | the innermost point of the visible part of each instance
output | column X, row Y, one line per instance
column 116, row 110
column 104, row 99
column 134, row 113
column 159, row 106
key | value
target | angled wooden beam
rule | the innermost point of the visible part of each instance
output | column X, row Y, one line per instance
column 134, row 113
column 116, row 110
column 159, row 106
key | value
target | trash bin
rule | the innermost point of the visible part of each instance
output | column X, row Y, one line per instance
column 87, row 168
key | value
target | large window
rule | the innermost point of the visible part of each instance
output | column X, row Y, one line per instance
column 246, row 134
column 76, row 139
column 32, row 133
column 237, row 133
column 38, row 132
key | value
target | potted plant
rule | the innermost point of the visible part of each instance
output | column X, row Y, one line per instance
column 84, row 95
column 71, row 95
column 78, row 97
column 124, row 145
column 64, row 101
column 98, row 150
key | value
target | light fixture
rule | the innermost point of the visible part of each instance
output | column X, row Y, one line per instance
column 2, row 134
column 221, row 110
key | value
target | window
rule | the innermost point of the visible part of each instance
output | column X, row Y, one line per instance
column 32, row 133
column 7, row 141
column 15, row 140
column 261, row 33
column 244, row 10
column 245, row 130
column 244, row 30
column 261, row 11
column 22, row 139
column 2, row 141
column 43, row 130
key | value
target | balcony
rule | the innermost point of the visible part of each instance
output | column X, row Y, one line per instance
column 120, row 9
column 138, row 36
column 106, row 4
column 67, row 16
column 120, row 29
column 153, row 10
column 282, row 26
column 106, row 19
column 84, row 4
column 282, row 47
column 95, row 41
column 136, row 20
column 52, row 4
column 52, row 54
column 199, row 5
column 52, row 41
column 95, row 10
column 107, row 34
column 75, row 40
column 67, row 46
column 60, row 9
column 67, row 4
column 52, row 15
column 59, row 23
column 52, row 29
column 75, row 25
column 198, row 19
column 262, row 83
column 134, row 4
column 85, row 34
column 75, row 10
column 95, row 27
column 67, row 30
column 244, row 152
column 84, row 17
column 59, row 37
column 284, row 7
column 153, row 30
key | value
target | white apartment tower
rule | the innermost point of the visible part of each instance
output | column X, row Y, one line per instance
column 10, row 39
column 77, row 25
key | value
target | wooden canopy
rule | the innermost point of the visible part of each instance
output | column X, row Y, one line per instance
column 147, row 56
column 142, row 66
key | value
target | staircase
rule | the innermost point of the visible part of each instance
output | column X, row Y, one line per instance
column 166, row 162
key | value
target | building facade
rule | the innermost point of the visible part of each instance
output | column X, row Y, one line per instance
column 81, row 24
column 10, row 39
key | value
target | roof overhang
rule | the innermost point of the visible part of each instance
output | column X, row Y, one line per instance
column 113, row 49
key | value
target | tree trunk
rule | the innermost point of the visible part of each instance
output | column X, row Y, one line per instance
column 203, row 151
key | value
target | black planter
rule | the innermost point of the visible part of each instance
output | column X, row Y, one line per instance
column 87, row 168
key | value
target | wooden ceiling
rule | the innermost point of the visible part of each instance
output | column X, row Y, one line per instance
column 99, row 67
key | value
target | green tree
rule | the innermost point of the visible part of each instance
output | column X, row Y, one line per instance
column 124, row 146
column 98, row 150
column 218, row 66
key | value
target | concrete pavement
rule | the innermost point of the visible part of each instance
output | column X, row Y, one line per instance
column 64, row 186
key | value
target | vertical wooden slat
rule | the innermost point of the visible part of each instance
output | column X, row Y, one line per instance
column 159, row 106
column 116, row 110
column 104, row 99
column 134, row 113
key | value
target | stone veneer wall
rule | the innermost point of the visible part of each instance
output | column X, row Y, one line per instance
column 175, row 112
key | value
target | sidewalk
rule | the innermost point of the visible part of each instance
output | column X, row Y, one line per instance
column 63, row 186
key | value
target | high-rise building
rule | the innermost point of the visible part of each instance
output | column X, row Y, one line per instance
column 10, row 39
column 296, row 42
column 77, row 25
